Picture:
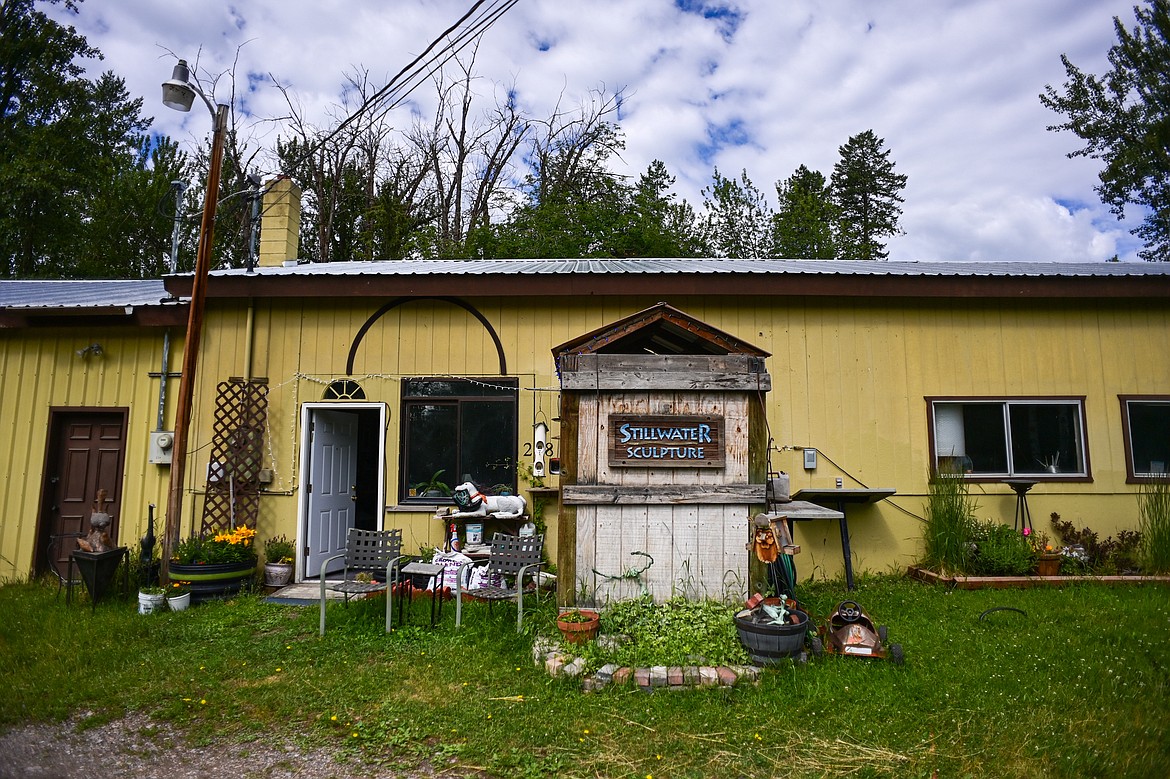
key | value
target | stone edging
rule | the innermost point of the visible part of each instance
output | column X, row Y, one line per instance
column 548, row 652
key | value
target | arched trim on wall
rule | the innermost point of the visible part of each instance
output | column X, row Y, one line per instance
column 393, row 304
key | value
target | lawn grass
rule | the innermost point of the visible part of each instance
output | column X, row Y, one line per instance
column 1077, row 687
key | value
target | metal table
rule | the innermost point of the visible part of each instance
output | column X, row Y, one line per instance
column 1023, row 516
column 421, row 573
column 839, row 498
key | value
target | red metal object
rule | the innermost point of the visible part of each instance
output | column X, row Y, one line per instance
column 851, row 632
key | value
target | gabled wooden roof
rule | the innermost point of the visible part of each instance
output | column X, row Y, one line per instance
column 661, row 330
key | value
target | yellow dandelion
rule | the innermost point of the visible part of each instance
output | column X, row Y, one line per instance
column 203, row 702
column 278, row 670
column 333, row 718
column 586, row 731
column 354, row 734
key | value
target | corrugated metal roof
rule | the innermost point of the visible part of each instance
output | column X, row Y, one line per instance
column 644, row 266
column 59, row 294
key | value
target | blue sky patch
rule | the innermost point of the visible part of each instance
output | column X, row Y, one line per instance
column 727, row 17
column 720, row 136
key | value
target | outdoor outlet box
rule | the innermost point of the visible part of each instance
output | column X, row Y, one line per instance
column 810, row 459
column 162, row 443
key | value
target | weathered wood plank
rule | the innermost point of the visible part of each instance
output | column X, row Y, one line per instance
column 617, row 494
column 672, row 380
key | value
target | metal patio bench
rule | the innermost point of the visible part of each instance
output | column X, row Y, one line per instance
column 511, row 558
column 370, row 552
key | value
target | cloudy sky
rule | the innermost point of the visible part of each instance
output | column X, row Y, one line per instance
column 761, row 85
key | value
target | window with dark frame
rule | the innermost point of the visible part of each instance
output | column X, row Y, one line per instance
column 1009, row 438
column 457, row 430
column 1146, row 424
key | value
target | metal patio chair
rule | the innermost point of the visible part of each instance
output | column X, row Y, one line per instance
column 371, row 552
column 511, row 558
column 61, row 546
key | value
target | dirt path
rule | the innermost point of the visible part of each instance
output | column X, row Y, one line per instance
column 136, row 747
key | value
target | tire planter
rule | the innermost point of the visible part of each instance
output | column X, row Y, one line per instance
column 209, row 582
column 581, row 632
column 770, row 644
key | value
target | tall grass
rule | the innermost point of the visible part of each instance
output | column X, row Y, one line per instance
column 1154, row 514
column 950, row 522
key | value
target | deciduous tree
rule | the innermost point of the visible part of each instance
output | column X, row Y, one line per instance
column 1124, row 118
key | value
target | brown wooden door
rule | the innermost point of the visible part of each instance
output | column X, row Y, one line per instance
column 87, row 451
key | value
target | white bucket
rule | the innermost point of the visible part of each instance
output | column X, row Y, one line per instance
column 149, row 603
column 474, row 533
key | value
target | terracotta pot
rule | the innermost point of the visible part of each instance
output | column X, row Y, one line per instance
column 581, row 632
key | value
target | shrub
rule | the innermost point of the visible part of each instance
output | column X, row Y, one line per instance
column 1154, row 514
column 1001, row 551
column 950, row 522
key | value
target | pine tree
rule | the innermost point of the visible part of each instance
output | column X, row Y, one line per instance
column 866, row 193
column 802, row 227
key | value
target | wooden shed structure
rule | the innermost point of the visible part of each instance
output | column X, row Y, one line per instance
column 664, row 448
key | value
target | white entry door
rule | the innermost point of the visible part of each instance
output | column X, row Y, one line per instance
column 332, row 484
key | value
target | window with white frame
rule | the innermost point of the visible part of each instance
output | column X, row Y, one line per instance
column 1009, row 438
column 454, row 431
column 1146, row 422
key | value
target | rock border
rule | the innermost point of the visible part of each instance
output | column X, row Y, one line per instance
column 550, row 653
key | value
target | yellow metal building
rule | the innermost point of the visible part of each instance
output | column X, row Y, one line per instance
column 882, row 368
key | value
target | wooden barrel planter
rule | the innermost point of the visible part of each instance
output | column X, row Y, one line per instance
column 769, row 644
column 208, row 582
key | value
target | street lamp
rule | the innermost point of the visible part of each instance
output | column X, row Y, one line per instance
column 179, row 93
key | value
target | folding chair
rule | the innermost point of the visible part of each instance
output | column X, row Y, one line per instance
column 60, row 548
column 370, row 552
column 511, row 557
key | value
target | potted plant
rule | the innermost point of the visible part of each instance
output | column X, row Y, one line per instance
column 178, row 596
column 433, row 487
column 151, row 599
column 1047, row 558
column 279, row 557
column 579, row 626
column 771, row 631
column 217, row 566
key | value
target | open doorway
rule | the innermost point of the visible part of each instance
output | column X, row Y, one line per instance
column 343, row 457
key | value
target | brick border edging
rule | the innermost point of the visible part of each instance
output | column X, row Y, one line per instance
column 548, row 652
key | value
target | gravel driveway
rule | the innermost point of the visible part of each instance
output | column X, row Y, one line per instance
column 136, row 747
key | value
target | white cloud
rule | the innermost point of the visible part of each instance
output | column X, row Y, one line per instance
column 952, row 86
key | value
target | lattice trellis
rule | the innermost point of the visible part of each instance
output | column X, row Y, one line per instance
column 237, row 446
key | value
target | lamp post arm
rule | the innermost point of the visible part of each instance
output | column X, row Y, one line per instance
column 191, row 344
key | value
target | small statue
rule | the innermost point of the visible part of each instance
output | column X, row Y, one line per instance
column 98, row 539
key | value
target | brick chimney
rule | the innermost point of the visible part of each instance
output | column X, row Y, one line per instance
column 280, row 225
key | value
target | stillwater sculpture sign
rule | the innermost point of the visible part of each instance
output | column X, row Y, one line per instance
column 666, row 441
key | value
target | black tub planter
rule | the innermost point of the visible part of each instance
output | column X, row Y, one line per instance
column 98, row 569
column 769, row 644
column 208, row 582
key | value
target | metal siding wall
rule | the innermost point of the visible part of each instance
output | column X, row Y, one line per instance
column 41, row 369
column 848, row 378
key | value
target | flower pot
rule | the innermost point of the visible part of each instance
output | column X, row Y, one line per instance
column 149, row 602
column 581, row 632
column 769, row 644
column 208, row 582
column 179, row 602
column 277, row 574
column 1048, row 565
